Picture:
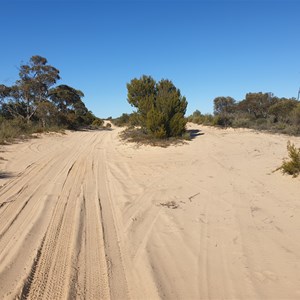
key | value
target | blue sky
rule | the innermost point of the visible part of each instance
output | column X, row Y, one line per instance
column 207, row 48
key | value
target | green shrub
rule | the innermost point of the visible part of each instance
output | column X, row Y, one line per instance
column 222, row 120
column 160, row 107
column 155, row 124
column 296, row 115
column 11, row 129
column 241, row 122
column 18, row 128
column 187, row 136
column 121, row 121
column 261, row 124
column 291, row 130
column 97, row 122
column 196, row 117
column 135, row 119
column 282, row 109
column 280, row 126
column 177, row 125
column 197, row 120
column 291, row 166
column 208, row 119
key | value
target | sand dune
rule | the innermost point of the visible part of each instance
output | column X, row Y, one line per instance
column 86, row 216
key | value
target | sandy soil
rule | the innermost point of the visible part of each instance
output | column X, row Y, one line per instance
column 86, row 216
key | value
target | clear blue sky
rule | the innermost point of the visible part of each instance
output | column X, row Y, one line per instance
column 207, row 48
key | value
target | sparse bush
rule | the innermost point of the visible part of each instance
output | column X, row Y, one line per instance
column 222, row 120
column 259, row 111
column 187, row 136
column 261, row 124
column 196, row 117
column 197, row 120
column 208, row 119
column 296, row 115
column 135, row 119
column 141, row 137
column 241, row 123
column 280, row 126
column 282, row 109
column 291, row 130
column 121, row 121
column 170, row 204
column 12, row 129
column 291, row 166
column 18, row 128
column 97, row 122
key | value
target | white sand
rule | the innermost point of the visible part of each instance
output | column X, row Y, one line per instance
column 84, row 215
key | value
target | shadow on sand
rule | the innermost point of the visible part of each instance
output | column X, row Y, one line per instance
column 4, row 175
column 194, row 133
column 90, row 129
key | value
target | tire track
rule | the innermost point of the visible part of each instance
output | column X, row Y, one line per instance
column 28, row 282
column 50, row 275
column 54, row 277
column 116, row 274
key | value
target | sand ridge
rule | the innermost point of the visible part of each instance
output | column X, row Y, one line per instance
column 85, row 215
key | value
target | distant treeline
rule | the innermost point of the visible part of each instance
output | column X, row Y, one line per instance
column 262, row 111
column 34, row 101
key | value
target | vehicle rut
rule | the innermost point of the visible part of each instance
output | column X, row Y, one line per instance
column 53, row 225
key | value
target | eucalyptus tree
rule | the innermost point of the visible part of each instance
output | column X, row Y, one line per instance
column 35, row 97
column 69, row 105
column 257, row 104
column 282, row 109
column 224, row 105
column 31, row 89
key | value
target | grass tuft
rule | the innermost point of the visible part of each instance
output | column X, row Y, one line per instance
column 139, row 136
column 291, row 166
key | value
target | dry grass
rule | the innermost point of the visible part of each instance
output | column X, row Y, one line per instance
column 137, row 135
column 170, row 204
column 14, row 130
column 291, row 166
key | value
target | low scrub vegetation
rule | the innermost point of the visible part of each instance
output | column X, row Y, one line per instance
column 98, row 123
column 11, row 130
column 141, row 137
column 259, row 111
column 123, row 121
column 36, row 104
column 291, row 166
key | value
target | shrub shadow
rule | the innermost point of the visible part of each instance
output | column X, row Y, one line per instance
column 91, row 128
column 194, row 133
column 4, row 175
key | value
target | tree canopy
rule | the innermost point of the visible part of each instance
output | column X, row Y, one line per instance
column 34, row 97
column 160, row 106
column 257, row 110
column 223, row 105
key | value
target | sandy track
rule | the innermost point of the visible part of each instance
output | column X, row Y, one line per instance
column 86, row 216
column 52, row 243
